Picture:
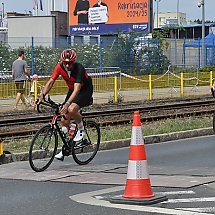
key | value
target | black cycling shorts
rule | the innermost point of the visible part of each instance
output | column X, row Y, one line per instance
column 84, row 98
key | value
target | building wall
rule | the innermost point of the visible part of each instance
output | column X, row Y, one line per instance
column 169, row 18
column 61, row 23
column 22, row 29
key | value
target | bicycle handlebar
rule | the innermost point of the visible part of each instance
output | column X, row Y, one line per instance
column 49, row 103
column 52, row 104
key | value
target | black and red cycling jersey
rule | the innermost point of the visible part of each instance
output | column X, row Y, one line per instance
column 77, row 75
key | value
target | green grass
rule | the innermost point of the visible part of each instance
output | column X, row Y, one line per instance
column 124, row 132
column 159, row 127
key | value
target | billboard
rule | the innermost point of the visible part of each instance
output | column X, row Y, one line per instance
column 108, row 16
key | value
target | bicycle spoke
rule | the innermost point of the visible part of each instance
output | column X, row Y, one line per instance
column 43, row 149
column 85, row 150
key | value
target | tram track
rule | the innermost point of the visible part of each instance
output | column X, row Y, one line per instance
column 209, row 105
column 117, row 116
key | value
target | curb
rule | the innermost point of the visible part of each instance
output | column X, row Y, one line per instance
column 158, row 138
column 126, row 142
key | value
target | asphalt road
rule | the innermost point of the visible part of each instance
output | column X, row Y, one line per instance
column 182, row 170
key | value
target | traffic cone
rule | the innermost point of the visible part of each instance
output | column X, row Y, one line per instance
column 138, row 183
column 138, row 188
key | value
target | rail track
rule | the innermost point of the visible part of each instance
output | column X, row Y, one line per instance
column 115, row 116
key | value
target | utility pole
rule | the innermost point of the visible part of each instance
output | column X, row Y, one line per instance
column 2, row 10
column 53, row 5
column 177, row 12
column 157, row 10
column 201, row 3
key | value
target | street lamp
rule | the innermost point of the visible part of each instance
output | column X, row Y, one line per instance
column 177, row 12
column 2, row 10
column 201, row 3
column 157, row 10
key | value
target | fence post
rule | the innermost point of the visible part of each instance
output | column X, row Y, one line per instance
column 150, row 87
column 115, row 90
column 184, row 51
column 32, row 54
column 130, row 56
column 182, row 84
column 100, row 59
column 175, row 50
column 68, row 42
column 159, row 63
column 211, row 79
column 199, row 54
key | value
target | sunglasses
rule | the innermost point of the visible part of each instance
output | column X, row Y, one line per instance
column 67, row 63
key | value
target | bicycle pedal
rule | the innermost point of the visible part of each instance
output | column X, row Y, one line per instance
column 65, row 151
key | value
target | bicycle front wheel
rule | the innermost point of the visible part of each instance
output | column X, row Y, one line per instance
column 85, row 150
column 43, row 148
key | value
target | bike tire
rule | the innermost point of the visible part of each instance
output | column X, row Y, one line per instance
column 43, row 148
column 84, row 151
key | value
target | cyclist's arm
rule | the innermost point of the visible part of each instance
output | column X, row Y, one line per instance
column 50, row 83
column 45, row 90
column 48, row 86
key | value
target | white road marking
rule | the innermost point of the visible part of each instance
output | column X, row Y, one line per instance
column 175, row 192
column 89, row 199
column 207, row 199
column 207, row 209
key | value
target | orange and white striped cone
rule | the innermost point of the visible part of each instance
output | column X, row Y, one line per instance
column 138, row 183
column 138, row 186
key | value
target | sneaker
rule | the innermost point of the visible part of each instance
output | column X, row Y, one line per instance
column 79, row 136
column 59, row 156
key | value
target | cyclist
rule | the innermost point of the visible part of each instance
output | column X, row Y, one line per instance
column 79, row 94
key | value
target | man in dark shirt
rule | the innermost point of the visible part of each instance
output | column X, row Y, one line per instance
column 19, row 73
column 81, row 9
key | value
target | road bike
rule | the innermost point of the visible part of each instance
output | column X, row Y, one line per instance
column 44, row 144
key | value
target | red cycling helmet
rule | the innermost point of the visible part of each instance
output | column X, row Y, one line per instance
column 68, row 55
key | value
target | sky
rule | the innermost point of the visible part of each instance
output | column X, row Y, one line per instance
column 186, row 6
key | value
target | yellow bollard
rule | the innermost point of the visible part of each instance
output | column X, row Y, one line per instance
column 1, row 148
column 211, row 79
column 150, row 87
column 115, row 90
column 182, row 84
column 35, row 90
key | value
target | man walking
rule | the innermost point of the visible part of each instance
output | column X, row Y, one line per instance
column 19, row 73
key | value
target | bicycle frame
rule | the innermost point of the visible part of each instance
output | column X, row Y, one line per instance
column 55, row 125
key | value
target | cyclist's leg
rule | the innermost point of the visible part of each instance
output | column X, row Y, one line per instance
column 65, row 122
column 82, row 100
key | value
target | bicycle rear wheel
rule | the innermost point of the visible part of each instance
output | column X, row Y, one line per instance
column 43, row 148
column 85, row 150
